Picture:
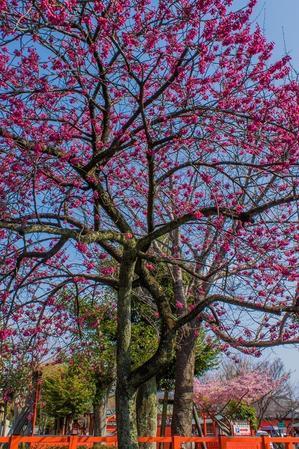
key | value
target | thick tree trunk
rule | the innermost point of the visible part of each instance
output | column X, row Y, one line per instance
column 181, row 423
column 127, row 437
column 183, row 395
column 147, row 410
column 126, row 419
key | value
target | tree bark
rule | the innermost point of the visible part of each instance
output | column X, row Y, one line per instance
column 99, row 413
column 164, row 414
column 147, row 409
column 127, row 438
column 183, row 394
column 59, row 425
column 3, row 430
column 181, row 423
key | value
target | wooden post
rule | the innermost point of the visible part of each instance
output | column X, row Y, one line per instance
column 163, row 418
column 37, row 378
column 204, row 425
column 198, row 425
column 214, row 427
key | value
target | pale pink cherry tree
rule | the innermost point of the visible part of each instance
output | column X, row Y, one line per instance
column 213, row 395
column 137, row 135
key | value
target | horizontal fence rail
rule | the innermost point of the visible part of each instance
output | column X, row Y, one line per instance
column 175, row 442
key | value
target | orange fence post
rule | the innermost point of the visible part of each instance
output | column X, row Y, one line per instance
column 176, row 442
column 266, row 444
column 14, row 442
column 289, row 445
column 222, row 442
column 73, row 442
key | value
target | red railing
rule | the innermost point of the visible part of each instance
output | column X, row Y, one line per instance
column 221, row 442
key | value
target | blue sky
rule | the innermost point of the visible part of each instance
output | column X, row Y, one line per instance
column 280, row 22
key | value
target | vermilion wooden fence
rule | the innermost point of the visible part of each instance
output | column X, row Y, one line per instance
column 222, row 442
